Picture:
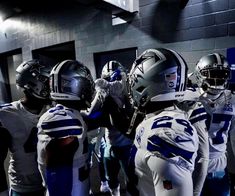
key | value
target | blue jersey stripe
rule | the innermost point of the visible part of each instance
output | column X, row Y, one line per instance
column 65, row 133
column 197, row 112
column 168, row 150
column 61, row 123
column 199, row 118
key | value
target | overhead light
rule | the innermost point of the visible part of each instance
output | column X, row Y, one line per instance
column 127, row 5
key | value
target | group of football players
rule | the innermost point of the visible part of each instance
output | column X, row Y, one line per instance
column 171, row 137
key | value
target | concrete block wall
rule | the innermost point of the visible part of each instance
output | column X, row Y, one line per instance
column 204, row 26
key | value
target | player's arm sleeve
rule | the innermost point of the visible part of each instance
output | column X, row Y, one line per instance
column 59, row 165
column 97, row 102
column 201, row 163
column 4, row 145
column 96, row 116
column 101, row 87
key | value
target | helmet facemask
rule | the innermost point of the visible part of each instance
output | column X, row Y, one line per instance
column 214, row 80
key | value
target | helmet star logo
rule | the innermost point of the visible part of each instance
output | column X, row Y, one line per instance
column 140, row 61
column 36, row 67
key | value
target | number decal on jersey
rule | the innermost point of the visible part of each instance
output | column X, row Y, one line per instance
column 217, row 119
column 31, row 143
column 188, row 129
column 162, row 122
column 166, row 122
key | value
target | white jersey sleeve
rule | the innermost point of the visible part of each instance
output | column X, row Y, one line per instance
column 102, row 92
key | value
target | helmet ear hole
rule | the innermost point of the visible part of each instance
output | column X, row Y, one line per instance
column 204, row 87
column 140, row 89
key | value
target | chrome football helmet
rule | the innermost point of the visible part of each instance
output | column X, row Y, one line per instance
column 112, row 71
column 157, row 75
column 212, row 73
column 33, row 77
column 72, row 81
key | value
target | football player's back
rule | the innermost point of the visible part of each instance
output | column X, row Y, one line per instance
column 165, row 143
column 62, row 137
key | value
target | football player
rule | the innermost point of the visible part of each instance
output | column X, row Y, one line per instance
column 165, row 143
column 97, row 145
column 111, row 92
column 212, row 73
column 62, row 137
column 18, row 131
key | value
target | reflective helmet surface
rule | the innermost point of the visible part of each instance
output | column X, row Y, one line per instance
column 71, row 80
column 212, row 73
column 112, row 71
column 33, row 76
column 157, row 75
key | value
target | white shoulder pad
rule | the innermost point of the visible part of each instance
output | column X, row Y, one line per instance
column 61, row 122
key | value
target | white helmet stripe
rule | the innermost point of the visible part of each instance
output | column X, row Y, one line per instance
column 219, row 60
column 57, row 68
column 55, row 73
column 109, row 66
column 182, row 71
column 158, row 53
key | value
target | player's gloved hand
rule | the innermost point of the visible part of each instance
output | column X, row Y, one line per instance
column 101, row 83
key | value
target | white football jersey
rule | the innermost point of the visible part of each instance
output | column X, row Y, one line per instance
column 220, row 116
column 62, row 122
column 170, row 136
column 163, row 155
column 22, row 126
